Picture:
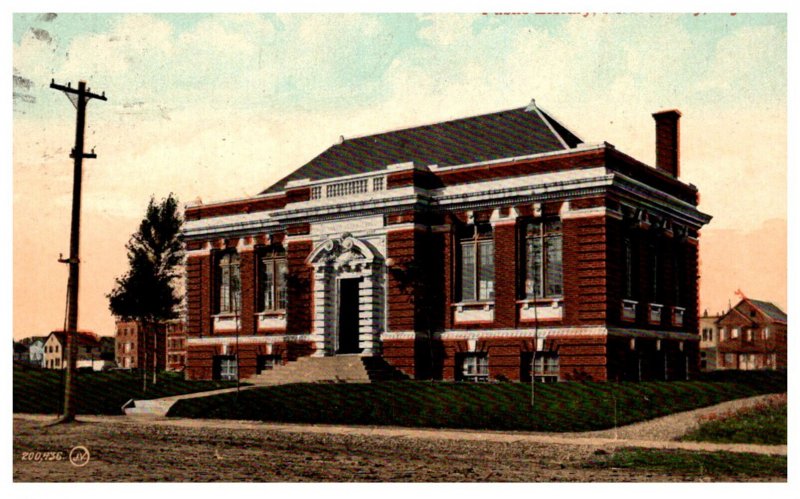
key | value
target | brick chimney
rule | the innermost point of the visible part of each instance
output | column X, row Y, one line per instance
column 668, row 141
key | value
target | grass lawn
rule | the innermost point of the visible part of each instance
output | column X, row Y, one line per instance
column 560, row 407
column 711, row 464
column 40, row 391
column 763, row 424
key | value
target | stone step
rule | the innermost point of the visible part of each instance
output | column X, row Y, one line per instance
column 315, row 369
column 157, row 407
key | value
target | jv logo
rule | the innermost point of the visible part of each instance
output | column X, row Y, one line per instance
column 79, row 456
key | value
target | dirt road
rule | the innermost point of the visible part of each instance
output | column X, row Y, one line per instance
column 126, row 450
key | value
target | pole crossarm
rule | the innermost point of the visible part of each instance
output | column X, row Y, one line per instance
column 68, row 89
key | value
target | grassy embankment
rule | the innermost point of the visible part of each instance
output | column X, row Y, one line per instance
column 763, row 424
column 40, row 391
column 573, row 406
column 713, row 465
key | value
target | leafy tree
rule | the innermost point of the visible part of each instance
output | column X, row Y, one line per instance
column 146, row 293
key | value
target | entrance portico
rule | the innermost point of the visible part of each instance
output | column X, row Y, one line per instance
column 348, row 296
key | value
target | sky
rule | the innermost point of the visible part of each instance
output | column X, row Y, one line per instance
column 219, row 106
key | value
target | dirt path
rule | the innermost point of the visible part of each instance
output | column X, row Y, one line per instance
column 129, row 449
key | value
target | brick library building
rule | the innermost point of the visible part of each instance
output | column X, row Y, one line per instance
column 492, row 247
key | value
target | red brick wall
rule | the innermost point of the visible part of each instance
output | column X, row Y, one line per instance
column 447, row 240
column 580, row 357
column 692, row 287
column 668, row 142
column 298, row 195
column 401, row 286
column 298, row 316
column 639, row 171
column 248, row 275
column 406, row 178
column 199, row 295
column 236, row 207
column 400, row 354
column 505, row 275
column 585, row 272
column 518, row 168
column 428, row 279
column 200, row 361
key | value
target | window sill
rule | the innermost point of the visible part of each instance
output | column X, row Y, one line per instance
column 474, row 312
column 654, row 314
column 473, row 305
column 678, row 313
column 628, row 313
column 541, row 309
column 271, row 313
column 555, row 300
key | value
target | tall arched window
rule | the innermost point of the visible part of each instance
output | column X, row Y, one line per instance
column 229, row 288
column 272, row 279
column 544, row 273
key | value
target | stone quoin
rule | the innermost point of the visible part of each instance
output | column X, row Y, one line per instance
column 498, row 246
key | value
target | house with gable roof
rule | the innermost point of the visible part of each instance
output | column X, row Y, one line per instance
column 492, row 247
column 752, row 335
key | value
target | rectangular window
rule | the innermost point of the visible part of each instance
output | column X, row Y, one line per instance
column 628, row 256
column 267, row 362
column 655, row 277
column 486, row 270
column 474, row 367
column 228, row 283
column 273, row 280
column 227, row 367
column 543, row 366
column 477, row 267
column 467, row 272
column 678, row 272
column 735, row 333
column 544, row 267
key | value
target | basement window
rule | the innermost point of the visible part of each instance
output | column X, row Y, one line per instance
column 543, row 366
column 267, row 363
column 225, row 367
column 474, row 367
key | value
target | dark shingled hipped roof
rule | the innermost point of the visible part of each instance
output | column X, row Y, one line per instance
column 770, row 309
column 505, row 134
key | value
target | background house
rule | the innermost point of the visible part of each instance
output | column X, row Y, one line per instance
column 20, row 353
column 752, row 336
column 709, row 341
column 135, row 344
column 89, row 352
column 176, row 345
column 36, row 352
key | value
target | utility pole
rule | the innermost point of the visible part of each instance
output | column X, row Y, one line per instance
column 79, row 97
